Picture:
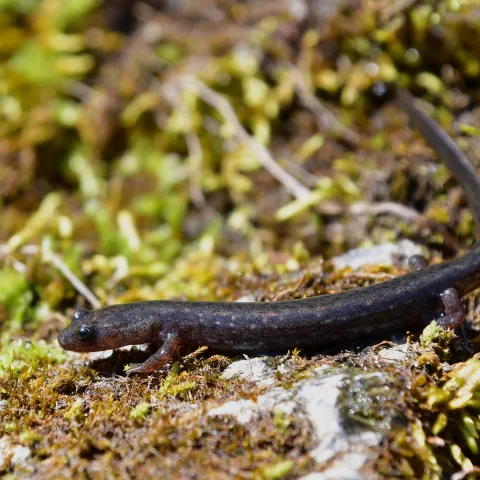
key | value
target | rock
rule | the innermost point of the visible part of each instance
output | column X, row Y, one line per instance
column 396, row 354
column 12, row 455
column 343, row 447
column 385, row 254
column 259, row 370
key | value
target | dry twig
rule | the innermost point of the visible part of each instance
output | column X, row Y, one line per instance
column 391, row 208
column 58, row 263
column 195, row 157
column 293, row 186
column 325, row 118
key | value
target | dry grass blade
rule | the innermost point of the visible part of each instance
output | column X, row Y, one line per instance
column 59, row 264
column 293, row 186
column 325, row 118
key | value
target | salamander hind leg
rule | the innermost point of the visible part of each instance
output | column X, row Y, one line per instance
column 454, row 309
column 452, row 303
column 161, row 357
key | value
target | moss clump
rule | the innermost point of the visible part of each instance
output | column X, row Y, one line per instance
column 15, row 299
column 19, row 356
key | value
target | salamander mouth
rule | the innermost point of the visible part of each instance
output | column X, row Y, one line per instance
column 68, row 342
column 62, row 340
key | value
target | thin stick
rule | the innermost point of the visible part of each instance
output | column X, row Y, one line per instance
column 79, row 286
column 390, row 9
column 391, row 208
column 300, row 172
column 360, row 208
column 293, row 186
column 196, row 159
column 58, row 263
column 325, row 118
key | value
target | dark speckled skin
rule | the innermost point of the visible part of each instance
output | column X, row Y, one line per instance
column 403, row 302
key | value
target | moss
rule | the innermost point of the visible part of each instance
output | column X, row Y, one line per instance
column 140, row 412
column 21, row 356
column 281, row 420
column 275, row 471
column 15, row 297
column 435, row 337
column 374, row 400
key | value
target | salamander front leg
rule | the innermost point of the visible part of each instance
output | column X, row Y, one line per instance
column 161, row 357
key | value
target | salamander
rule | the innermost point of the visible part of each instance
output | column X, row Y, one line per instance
column 422, row 295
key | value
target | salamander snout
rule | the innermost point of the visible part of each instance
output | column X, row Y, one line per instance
column 80, row 335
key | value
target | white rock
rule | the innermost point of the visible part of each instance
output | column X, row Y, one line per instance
column 12, row 454
column 5, row 452
column 258, row 370
column 345, row 468
column 20, row 454
column 242, row 410
column 245, row 411
column 339, row 453
column 246, row 299
column 395, row 354
column 384, row 254
column 319, row 401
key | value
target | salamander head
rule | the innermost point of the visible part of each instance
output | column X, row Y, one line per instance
column 103, row 329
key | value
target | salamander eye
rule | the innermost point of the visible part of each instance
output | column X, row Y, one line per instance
column 84, row 333
column 79, row 314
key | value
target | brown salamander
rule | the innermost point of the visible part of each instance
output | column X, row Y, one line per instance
column 419, row 296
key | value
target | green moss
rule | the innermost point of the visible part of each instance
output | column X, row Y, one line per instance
column 29, row 437
column 18, row 356
column 435, row 337
column 275, row 471
column 76, row 411
column 281, row 420
column 374, row 400
column 140, row 412
column 16, row 297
